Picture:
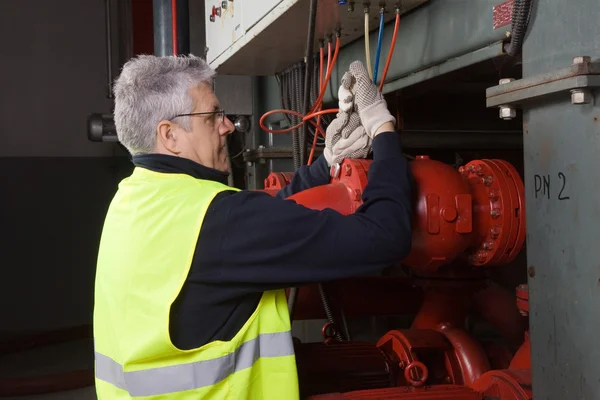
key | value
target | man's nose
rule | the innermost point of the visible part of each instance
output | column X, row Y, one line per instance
column 228, row 127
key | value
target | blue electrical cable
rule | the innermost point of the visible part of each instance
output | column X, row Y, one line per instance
column 378, row 52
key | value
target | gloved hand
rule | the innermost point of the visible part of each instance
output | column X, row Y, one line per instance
column 345, row 136
column 369, row 102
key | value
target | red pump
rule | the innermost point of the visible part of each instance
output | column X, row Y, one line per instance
column 473, row 216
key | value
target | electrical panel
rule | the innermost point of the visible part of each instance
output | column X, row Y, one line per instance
column 229, row 20
column 263, row 37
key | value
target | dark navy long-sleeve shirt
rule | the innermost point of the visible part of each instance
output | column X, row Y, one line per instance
column 251, row 242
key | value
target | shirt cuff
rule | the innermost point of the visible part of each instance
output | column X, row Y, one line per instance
column 387, row 145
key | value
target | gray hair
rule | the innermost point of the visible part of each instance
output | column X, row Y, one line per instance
column 151, row 89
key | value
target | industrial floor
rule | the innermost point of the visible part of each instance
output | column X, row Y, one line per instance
column 48, row 360
column 78, row 355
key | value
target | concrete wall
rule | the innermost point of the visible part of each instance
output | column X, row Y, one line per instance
column 56, row 185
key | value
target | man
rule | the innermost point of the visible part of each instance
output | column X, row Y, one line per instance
column 189, row 300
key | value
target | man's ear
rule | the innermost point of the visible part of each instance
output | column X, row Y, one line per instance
column 167, row 137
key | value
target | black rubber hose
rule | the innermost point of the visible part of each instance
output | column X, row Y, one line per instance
column 520, row 20
column 297, row 100
column 312, row 19
column 328, row 312
column 345, row 325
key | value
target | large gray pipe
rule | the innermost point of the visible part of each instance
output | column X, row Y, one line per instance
column 163, row 27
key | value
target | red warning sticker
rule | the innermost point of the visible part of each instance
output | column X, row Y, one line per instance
column 503, row 14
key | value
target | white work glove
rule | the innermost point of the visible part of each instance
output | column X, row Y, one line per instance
column 369, row 102
column 345, row 136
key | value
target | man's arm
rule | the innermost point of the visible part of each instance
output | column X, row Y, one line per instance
column 253, row 242
column 306, row 177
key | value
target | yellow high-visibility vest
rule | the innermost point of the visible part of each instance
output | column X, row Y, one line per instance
column 146, row 249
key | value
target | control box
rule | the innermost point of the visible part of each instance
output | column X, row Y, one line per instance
column 263, row 37
column 229, row 20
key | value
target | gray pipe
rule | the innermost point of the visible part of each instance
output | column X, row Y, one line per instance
column 163, row 27
column 163, row 41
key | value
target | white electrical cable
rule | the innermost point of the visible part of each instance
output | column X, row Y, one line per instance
column 367, row 50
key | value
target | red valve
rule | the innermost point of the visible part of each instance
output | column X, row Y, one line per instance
column 477, row 213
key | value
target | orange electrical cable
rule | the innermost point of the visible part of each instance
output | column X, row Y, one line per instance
column 392, row 45
column 313, row 112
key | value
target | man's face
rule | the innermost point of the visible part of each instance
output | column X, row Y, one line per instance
column 205, row 143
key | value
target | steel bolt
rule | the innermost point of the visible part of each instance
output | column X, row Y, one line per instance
column 488, row 180
column 471, row 168
column 488, row 245
column 495, row 232
column 494, row 195
column 582, row 59
column 482, row 256
column 261, row 147
column 463, row 171
column 478, row 170
column 347, row 170
column 212, row 18
column 581, row 96
column 508, row 112
column 495, row 213
column 224, row 4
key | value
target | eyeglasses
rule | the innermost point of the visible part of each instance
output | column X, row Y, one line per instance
column 219, row 113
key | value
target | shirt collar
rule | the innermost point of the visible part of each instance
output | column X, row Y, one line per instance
column 178, row 165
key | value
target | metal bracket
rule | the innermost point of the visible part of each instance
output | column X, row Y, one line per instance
column 582, row 75
column 266, row 153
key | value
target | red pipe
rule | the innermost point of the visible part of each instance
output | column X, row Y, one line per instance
column 174, row 25
column 448, row 306
column 497, row 306
column 470, row 355
column 335, row 196
column 522, row 359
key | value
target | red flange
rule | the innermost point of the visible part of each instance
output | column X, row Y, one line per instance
column 499, row 211
column 505, row 384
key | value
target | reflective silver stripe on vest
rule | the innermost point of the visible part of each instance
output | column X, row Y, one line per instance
column 155, row 381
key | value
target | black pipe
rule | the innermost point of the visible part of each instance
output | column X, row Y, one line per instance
column 461, row 139
column 312, row 18
column 183, row 27
column 108, row 38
